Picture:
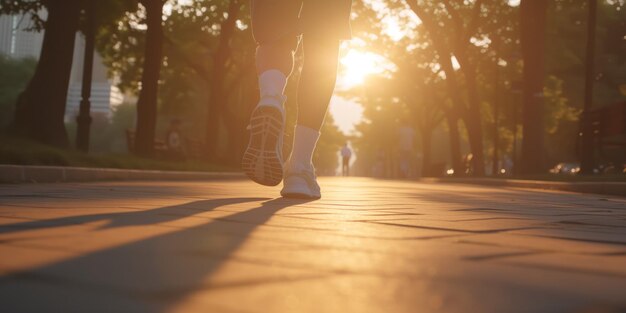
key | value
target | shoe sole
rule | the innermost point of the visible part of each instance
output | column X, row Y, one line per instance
column 262, row 161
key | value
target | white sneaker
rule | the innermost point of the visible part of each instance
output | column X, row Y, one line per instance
column 263, row 161
column 300, row 183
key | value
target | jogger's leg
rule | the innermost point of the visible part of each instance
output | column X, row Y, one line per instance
column 274, row 26
column 275, row 56
column 275, row 29
column 317, row 83
column 324, row 24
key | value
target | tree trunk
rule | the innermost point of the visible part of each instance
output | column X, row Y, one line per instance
column 40, row 111
column 454, row 114
column 148, row 96
column 533, row 23
column 470, row 113
column 217, row 95
column 587, row 147
column 473, row 118
column 475, row 136
column 426, row 134
column 455, row 142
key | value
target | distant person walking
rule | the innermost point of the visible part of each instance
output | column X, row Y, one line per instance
column 278, row 27
column 346, row 155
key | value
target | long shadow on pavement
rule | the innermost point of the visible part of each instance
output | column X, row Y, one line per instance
column 151, row 275
column 132, row 218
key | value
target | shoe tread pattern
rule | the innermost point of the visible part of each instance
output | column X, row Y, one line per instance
column 261, row 161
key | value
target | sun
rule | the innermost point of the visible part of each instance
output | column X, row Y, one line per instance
column 356, row 65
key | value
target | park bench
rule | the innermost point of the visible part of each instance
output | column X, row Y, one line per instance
column 608, row 125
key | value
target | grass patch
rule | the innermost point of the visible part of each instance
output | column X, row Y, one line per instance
column 18, row 151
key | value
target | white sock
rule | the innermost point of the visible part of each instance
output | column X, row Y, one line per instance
column 272, row 83
column 304, row 142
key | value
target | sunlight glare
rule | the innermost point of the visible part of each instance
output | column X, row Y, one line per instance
column 455, row 63
column 357, row 65
column 396, row 24
column 171, row 4
column 514, row 3
column 346, row 114
column 393, row 29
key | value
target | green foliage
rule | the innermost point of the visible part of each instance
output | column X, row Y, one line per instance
column 192, row 33
column 565, row 66
column 14, row 76
column 561, row 123
column 30, row 8
column 415, row 89
column 557, row 108
column 416, row 86
column 565, row 56
column 121, row 46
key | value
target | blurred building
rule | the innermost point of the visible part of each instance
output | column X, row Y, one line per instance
column 105, row 96
column 16, row 42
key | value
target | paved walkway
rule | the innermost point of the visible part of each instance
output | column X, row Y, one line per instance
column 367, row 246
